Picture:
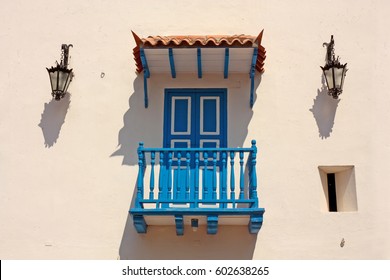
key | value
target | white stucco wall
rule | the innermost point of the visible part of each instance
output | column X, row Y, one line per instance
column 67, row 169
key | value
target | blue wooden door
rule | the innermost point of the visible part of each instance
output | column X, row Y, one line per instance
column 195, row 118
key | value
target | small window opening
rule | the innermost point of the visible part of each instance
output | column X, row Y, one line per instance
column 339, row 188
column 332, row 192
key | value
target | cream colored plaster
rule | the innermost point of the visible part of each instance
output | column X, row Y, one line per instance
column 68, row 170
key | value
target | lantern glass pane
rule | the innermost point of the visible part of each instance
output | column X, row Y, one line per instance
column 63, row 76
column 339, row 75
column 343, row 75
column 329, row 78
column 53, row 80
column 69, row 79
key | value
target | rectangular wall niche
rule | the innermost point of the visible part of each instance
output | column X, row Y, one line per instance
column 339, row 186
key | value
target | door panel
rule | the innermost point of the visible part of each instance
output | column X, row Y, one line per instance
column 195, row 115
column 209, row 115
column 181, row 115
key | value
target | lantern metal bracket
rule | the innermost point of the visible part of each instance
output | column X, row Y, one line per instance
column 65, row 55
column 330, row 56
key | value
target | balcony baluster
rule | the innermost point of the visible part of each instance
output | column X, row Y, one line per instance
column 214, row 185
column 196, row 193
column 188, row 173
column 161, row 180
column 242, row 175
column 152, row 162
column 232, row 178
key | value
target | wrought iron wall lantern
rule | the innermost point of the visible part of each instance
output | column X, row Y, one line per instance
column 334, row 71
column 60, row 76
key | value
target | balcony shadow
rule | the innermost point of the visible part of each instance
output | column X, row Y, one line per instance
column 162, row 243
column 138, row 126
column 258, row 78
column 52, row 119
column 324, row 111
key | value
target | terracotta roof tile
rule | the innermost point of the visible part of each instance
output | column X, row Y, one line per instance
column 199, row 41
column 196, row 41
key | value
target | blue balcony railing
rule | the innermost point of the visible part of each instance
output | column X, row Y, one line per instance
column 209, row 182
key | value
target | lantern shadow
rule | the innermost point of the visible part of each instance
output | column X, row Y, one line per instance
column 52, row 119
column 324, row 111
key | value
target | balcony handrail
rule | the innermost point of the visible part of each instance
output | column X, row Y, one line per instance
column 141, row 148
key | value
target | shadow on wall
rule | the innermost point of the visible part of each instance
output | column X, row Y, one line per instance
column 136, row 126
column 142, row 124
column 258, row 78
column 52, row 119
column 324, row 111
column 162, row 243
column 240, row 114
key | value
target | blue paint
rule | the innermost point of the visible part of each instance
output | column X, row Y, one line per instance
column 177, row 183
column 210, row 115
column 162, row 187
column 195, row 137
column 180, row 145
column 214, row 183
column 140, row 224
column 255, row 223
column 199, row 211
column 172, row 63
column 209, row 144
column 179, row 224
column 199, row 59
column 223, row 179
column 242, row 183
column 195, row 187
column 207, row 178
column 212, row 224
column 181, row 115
column 180, row 185
column 152, row 162
column 188, row 185
column 252, row 76
column 226, row 65
column 146, row 99
column 140, row 177
column 192, row 150
column 146, row 76
column 144, row 62
column 252, row 97
column 232, row 176
column 169, row 180
column 253, row 175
